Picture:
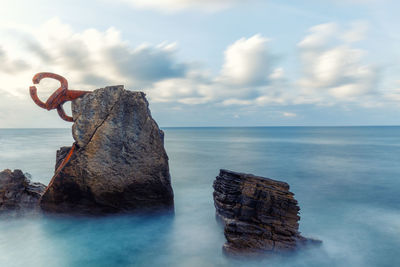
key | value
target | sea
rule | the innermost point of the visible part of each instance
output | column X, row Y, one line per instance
column 346, row 180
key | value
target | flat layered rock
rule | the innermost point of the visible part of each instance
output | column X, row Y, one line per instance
column 260, row 214
column 18, row 193
column 119, row 163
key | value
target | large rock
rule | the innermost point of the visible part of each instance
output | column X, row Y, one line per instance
column 18, row 193
column 260, row 214
column 119, row 163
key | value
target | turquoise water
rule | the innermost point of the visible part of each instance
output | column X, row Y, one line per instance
column 346, row 179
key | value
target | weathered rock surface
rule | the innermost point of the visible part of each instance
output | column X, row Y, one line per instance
column 260, row 214
column 119, row 163
column 18, row 193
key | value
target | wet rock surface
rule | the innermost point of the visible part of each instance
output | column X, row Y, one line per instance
column 260, row 214
column 18, row 193
column 119, row 163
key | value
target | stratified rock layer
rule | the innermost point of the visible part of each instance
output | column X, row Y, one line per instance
column 18, row 193
column 260, row 214
column 119, row 164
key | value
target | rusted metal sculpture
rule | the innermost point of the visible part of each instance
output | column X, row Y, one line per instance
column 58, row 98
column 56, row 101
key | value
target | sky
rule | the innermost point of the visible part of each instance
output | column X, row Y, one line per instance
column 208, row 62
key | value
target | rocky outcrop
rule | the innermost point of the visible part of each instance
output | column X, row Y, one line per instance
column 119, row 163
column 260, row 214
column 18, row 193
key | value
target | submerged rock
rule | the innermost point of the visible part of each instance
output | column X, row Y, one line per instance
column 119, row 163
column 260, row 214
column 18, row 193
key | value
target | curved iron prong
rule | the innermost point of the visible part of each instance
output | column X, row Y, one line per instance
column 61, row 113
column 53, row 101
column 35, row 98
column 58, row 98
column 41, row 75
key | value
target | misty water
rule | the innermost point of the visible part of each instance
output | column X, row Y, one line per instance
column 346, row 179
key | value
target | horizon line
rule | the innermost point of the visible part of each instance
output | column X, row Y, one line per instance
column 252, row 126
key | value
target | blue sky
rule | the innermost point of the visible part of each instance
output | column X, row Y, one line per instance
column 209, row 63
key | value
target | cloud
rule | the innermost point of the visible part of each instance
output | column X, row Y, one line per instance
column 320, row 36
column 194, row 88
column 393, row 95
column 332, row 67
column 333, row 71
column 289, row 114
column 10, row 66
column 177, row 5
column 147, row 63
column 247, row 62
column 357, row 32
column 248, row 76
column 92, row 58
column 88, row 59
column 235, row 101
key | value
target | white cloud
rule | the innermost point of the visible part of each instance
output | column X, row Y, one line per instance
column 320, row 36
column 177, row 5
column 357, row 32
column 247, row 77
column 192, row 89
column 10, row 66
column 92, row 57
column 331, row 67
column 239, row 102
column 247, row 62
column 277, row 74
column 88, row 59
column 393, row 95
column 289, row 114
column 333, row 71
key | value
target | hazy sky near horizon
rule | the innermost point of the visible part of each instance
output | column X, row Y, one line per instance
column 209, row 62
